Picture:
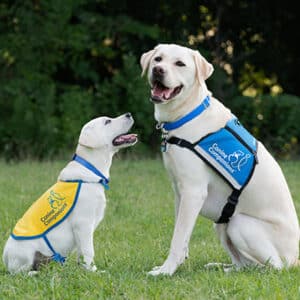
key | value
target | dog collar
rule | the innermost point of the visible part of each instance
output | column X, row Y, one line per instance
column 104, row 181
column 185, row 119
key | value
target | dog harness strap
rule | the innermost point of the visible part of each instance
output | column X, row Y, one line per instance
column 104, row 181
column 229, row 207
column 56, row 256
column 231, row 152
column 233, row 199
column 190, row 116
column 180, row 142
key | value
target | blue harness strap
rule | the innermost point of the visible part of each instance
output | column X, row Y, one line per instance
column 231, row 152
column 104, row 181
column 56, row 256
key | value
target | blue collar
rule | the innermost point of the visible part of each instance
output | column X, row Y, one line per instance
column 104, row 181
column 190, row 116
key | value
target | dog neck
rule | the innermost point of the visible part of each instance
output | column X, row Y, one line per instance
column 101, row 159
column 176, row 109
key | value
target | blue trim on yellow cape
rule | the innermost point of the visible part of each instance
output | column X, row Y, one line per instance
column 104, row 181
column 53, row 226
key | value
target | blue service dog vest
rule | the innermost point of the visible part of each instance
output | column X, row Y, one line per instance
column 231, row 152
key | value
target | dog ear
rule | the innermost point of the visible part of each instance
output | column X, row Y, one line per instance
column 145, row 60
column 203, row 68
column 88, row 138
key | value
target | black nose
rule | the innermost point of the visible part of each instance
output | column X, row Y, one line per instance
column 128, row 115
column 158, row 71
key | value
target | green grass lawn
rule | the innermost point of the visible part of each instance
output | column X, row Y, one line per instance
column 134, row 237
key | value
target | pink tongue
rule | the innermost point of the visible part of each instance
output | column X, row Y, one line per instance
column 126, row 137
column 162, row 92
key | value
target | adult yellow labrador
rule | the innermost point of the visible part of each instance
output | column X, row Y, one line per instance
column 254, row 213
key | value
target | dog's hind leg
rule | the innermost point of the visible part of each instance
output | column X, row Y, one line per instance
column 17, row 259
column 19, row 264
column 237, row 259
column 259, row 242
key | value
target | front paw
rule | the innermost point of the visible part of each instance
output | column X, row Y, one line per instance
column 91, row 267
column 168, row 268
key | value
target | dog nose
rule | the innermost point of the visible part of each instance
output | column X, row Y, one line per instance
column 128, row 115
column 159, row 71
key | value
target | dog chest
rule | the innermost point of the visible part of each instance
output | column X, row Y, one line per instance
column 231, row 152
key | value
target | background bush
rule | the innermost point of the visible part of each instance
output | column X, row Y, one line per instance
column 273, row 120
column 65, row 62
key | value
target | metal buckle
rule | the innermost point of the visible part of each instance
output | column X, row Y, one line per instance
column 232, row 200
column 164, row 136
column 159, row 126
column 163, row 145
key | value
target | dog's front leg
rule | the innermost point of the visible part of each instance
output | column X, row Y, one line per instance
column 189, row 208
column 177, row 204
column 85, row 247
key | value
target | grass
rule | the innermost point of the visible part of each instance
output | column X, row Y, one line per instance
column 133, row 237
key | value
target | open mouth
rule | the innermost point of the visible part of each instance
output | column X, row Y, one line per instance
column 161, row 93
column 125, row 139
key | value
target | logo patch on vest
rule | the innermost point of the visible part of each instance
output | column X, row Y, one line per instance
column 48, row 211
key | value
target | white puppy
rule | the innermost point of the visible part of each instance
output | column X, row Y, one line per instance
column 54, row 225
column 263, row 226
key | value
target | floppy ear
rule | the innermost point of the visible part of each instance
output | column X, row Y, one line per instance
column 203, row 68
column 88, row 137
column 145, row 60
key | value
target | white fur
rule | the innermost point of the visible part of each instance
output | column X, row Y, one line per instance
column 76, row 232
column 264, row 228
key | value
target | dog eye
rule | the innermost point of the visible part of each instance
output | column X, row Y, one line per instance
column 179, row 63
column 107, row 121
column 158, row 58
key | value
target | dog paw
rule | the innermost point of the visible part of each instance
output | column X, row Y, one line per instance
column 33, row 273
column 159, row 270
column 165, row 269
column 91, row 267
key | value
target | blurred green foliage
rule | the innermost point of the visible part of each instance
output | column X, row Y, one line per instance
column 65, row 62
column 62, row 64
column 274, row 120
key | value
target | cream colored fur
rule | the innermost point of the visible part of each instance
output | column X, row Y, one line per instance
column 76, row 232
column 264, row 228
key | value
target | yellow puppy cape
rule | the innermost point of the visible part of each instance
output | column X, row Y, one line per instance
column 51, row 209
